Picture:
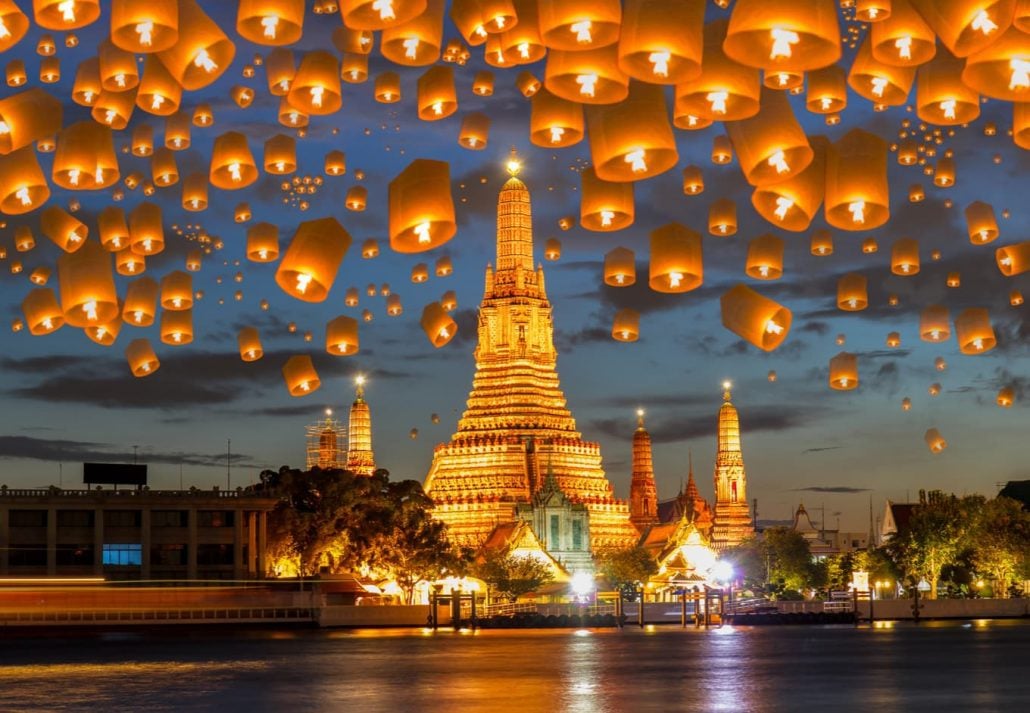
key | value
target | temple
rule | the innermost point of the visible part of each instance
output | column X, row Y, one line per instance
column 732, row 519
column 324, row 440
column 360, row 458
column 643, row 493
column 516, row 427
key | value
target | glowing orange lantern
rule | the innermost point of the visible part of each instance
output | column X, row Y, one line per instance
column 981, row 225
column 438, row 325
column 475, row 131
column 370, row 249
column 661, row 42
column 725, row 90
column 421, row 207
column 356, row 198
column 903, row 39
column 437, row 98
column 784, row 34
column 146, row 232
column 379, row 14
column 1006, row 396
column 388, row 88
column 88, row 295
column 554, row 122
column 85, row 157
column 280, row 155
column 676, row 259
column 974, row 332
column 86, row 87
column 14, row 23
column 827, row 91
column 626, row 325
column 620, row 268
column 821, row 243
column 417, row 41
column 905, row 257
column 755, row 318
column 341, row 336
column 941, row 96
column 23, row 240
column 1001, row 70
column 765, row 258
column 589, row 76
column 1015, row 298
column 722, row 217
column 934, row 440
column 177, row 291
column 64, row 229
column 232, row 164
column 844, row 372
column 575, row 25
column 1013, row 259
column 300, row 375
column 857, row 195
column 793, row 203
column 265, row 22
column 114, row 231
column 249, row 342
column 194, row 192
column 23, row 188
column 263, row 242
column 934, row 324
column 852, row 292
column 880, row 83
column 965, row 27
column 693, row 181
column 144, row 25
column 42, row 313
column 604, row 206
column 335, row 163
column 177, row 131
column 315, row 90
column 552, row 249
column 163, row 167
column 202, row 53
column 310, row 263
column 632, row 140
column 27, row 117
column 176, row 327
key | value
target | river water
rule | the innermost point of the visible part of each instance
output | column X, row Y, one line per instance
column 968, row 666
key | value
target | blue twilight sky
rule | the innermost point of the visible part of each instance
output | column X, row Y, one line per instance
column 66, row 399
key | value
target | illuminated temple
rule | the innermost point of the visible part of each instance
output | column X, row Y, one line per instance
column 516, row 429
column 360, row 457
column 732, row 519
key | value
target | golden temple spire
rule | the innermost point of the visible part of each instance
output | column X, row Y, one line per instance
column 513, row 165
column 360, row 458
column 726, row 386
column 640, row 418
column 514, row 225
column 359, row 381
column 643, row 493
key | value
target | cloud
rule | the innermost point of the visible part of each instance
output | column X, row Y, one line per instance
column 673, row 430
column 59, row 450
column 842, row 489
column 820, row 449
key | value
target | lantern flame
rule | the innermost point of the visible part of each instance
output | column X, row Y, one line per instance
column 783, row 204
column 1020, row 74
column 978, row 344
column 145, row 30
column 948, row 107
column 675, row 278
column 444, row 333
column 4, row 32
column 47, row 324
column 110, row 115
column 148, row 245
column 422, row 231
column 556, row 134
column 904, row 45
column 879, row 85
column 177, row 302
column 984, row 23
column 782, row 40
column 587, row 84
column 119, row 79
column 606, row 218
column 499, row 21
column 874, row 12
column 480, row 31
column 74, row 237
column 472, row 141
column 779, row 160
column 90, row 308
column 137, row 316
column 73, row 176
column 763, row 270
column 783, row 78
column 99, row 332
column 691, row 120
column 203, row 60
column 772, row 327
column 582, row 30
column 411, row 47
column 145, row 366
column 303, row 280
column 263, row 254
column 67, row 10
column 317, row 93
column 718, row 101
column 660, row 60
column 437, row 108
column 853, row 303
column 270, row 23
column 843, row 381
column 620, row 278
column 87, row 96
column 523, row 50
column 234, row 171
column 1006, row 261
column 905, row 267
column 636, row 159
column 385, row 9
column 157, row 101
column 825, row 103
column 857, row 209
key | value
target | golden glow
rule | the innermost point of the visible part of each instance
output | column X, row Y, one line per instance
column 203, row 60
column 1020, row 74
column 718, row 101
column 983, row 22
column 636, row 159
column 587, row 84
column 385, row 9
column 271, row 24
column 145, row 30
column 782, row 40
column 410, row 48
column 857, row 210
column 779, row 161
column 660, row 62
column 582, row 30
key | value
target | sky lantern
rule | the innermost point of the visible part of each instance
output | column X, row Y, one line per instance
column 421, row 207
column 676, row 259
column 941, row 96
column 620, row 267
column 141, row 357
column 163, row 168
column 40, row 276
column 291, row 116
column 857, row 195
column 270, row 22
column 722, row 217
column 203, row 115
column 118, row 68
column 128, row 263
column 232, row 164
column 85, row 158
column 379, row 14
column 587, row 76
column 309, row 265
column 356, row 198
column 443, row 266
column 878, row 82
column 689, row 112
column 23, row 187
column 249, row 342
column 65, row 230
column 821, row 243
column 146, row 231
column 475, row 131
column 194, row 260
column 552, row 250
column 632, row 140
column 1021, row 124
column 784, row 34
column 114, row 108
column 934, row 323
column 315, row 90
column 46, row 47
column 370, row 249
column 693, row 181
column 388, row 88
column 394, row 308
column 86, row 87
column 934, row 440
column 194, row 192
column 144, row 26
column 661, row 42
column 300, row 375
column 852, row 292
column 203, row 51
column 604, row 206
column 63, row 15
column 341, row 336
column 280, row 155
column 528, row 84
column 944, row 172
column 50, row 70
column 939, row 364
column 280, row 69
column 449, row 301
column 14, row 73
column 177, row 291
column 974, row 332
column 1001, row 70
column 176, row 327
column 755, row 318
column 113, row 229
column 43, row 314
column 23, row 239
column 177, row 131
column 467, row 16
column 420, row 273
column 554, row 122
column 415, row 42
column 520, row 42
column 352, row 41
column 88, row 295
column 354, row 68
column 793, row 203
column 1013, row 259
column 1015, row 298
column 574, row 25
column 981, row 225
column 905, row 257
column 725, row 90
column 158, row 92
column 626, row 325
column 351, row 298
column 27, row 117
column 335, row 163
column 954, row 279
column 893, row 339
column 916, row 193
column 142, row 140
column 1006, row 397
column 437, row 98
column 438, row 325
column 966, row 26
column 483, row 84
column 13, row 24
column 242, row 95
column 765, row 257
column 903, row 39
column 844, row 372
column 827, row 91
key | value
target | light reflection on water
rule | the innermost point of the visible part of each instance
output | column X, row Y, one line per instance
column 979, row 667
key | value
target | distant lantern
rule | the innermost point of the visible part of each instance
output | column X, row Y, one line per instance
column 903, row 38
column 143, row 140
column 14, row 73
column 784, row 34
column 366, row 315
column 105, row 334
column 981, row 225
column 939, row 364
column 309, row 265
column 827, row 91
column 844, row 372
column 394, row 308
column 661, row 42
column 356, row 198
column 146, row 231
column 916, row 194
column 388, row 88
column 40, row 276
column 880, row 83
column 893, row 339
column 249, row 342
column 725, row 90
column 552, row 249
column 415, row 42
column 65, row 230
column 934, row 440
column 941, row 96
column 626, row 325
column 449, row 301
column 176, row 327
column 118, row 68
column 443, row 266
column 765, row 258
column 203, row 51
column 144, row 26
column 590, row 76
column 605, row 206
column 194, row 260
column 722, row 217
column 24, row 240
column 954, row 279
column 857, row 194
column 1006, row 396
column 159, row 93
column 908, row 152
column 194, row 192
column 126, row 262
column 687, row 113
column 341, row 336
column 1015, row 298
column 676, row 259
column 280, row 70
column 577, row 25
column 163, row 168
column 852, row 292
column 270, row 23
column 555, row 122
column 632, row 140
column 870, row 246
column 567, row 222
column 1013, row 259
column 177, row 131
column 475, row 131
column 771, row 376
column 315, row 90
column 351, row 298
column 335, row 163
column 468, row 18
column 620, row 267
column 280, row 155
column 722, row 150
column 86, row 87
column 85, row 159
column 421, row 207
column 528, row 84
column 23, row 187
column 232, row 164
column 693, row 181
column 821, row 242
column 43, row 314
column 176, row 291
column 483, row 84
column 379, row 14
column 300, row 375
column 963, row 26
column 141, row 357
column 906, row 404
column 370, row 249
column 438, row 325
column 242, row 212
column 974, row 332
column 756, row 319
column 28, row 116
column 437, row 98
column 88, row 295
column 792, row 204
column 420, row 273
column 944, row 172
column 905, row 257
column 934, row 324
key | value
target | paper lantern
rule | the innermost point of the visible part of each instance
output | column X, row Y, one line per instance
column 113, row 229
column 857, row 195
column 916, row 194
column 379, row 14
column 821, row 243
column 449, row 301
column 755, row 318
column 114, row 108
column 554, row 122
column 146, row 232
column 552, row 249
column 483, row 84
column 126, row 262
column 118, row 72
column 354, row 68
column 1015, row 298
column 64, row 16
column 722, row 150
column 335, row 163
column 394, row 308
column 144, row 26
column 934, row 324
column 202, row 53
column 966, row 26
column 85, row 158
column 687, row 113
column 341, row 336
column 722, row 217
column 351, row 41
column 1006, row 396
column 105, row 334
column 784, row 81
column 626, row 325
column 310, row 263
column 437, row 98
column 1021, row 124
column 941, row 96
column 1013, row 259
column 844, row 372
column 443, row 266
column 421, row 207
column 14, row 73
column 604, row 206
column 793, row 203
column 194, row 192
column 589, row 76
column 141, row 357
column 142, row 140
column 280, row 71
column 263, row 242
column 177, row 291
column 676, row 259
column 468, row 18
column 475, row 131
column 23, row 188
column 903, row 39
column 566, row 222
column 905, row 257
column 660, row 41
column 356, row 198
column 249, row 342
column 852, row 292
column 242, row 95
column 934, row 440
column 232, row 164
column 944, row 173
column 43, row 314
column 177, row 131
column 64, row 229
column 981, row 225
column 163, row 167
column 827, row 91
column 939, row 364
column 88, row 295
column 632, row 140
column 1001, row 70
column 881, row 83
column 351, row 298
column 578, row 25
column 270, row 22
column 438, row 325
column 315, row 90
column 27, row 117
column 528, row 84
column 176, row 327
column 420, row 272
column 87, row 87
column 414, row 42
column 765, row 258
column 693, row 181
column 300, row 375
column 520, row 42
column 194, row 260
column 50, row 70
column 620, row 267
column 40, row 276
column 23, row 240
column 784, row 34
column 388, row 88
column 893, row 339
column 280, row 156
column 725, row 90
column 13, row 25
column 934, row 390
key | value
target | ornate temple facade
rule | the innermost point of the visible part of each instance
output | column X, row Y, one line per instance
column 325, row 440
column 360, row 458
column 732, row 519
column 516, row 425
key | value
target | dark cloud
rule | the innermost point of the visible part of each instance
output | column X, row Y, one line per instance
column 567, row 341
column 673, row 430
column 820, row 449
column 886, row 378
column 815, row 327
column 58, row 450
column 842, row 489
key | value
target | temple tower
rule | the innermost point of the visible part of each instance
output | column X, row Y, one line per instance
column 643, row 494
column 732, row 521
column 324, row 439
column 516, row 417
column 360, row 458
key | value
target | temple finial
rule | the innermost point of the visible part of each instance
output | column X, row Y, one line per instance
column 359, row 381
column 514, row 165
column 726, row 386
column 640, row 418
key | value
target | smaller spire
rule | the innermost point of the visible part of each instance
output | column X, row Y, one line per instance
column 640, row 419
column 726, row 386
column 513, row 165
column 359, row 382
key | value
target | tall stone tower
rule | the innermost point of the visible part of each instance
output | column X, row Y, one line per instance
column 360, row 458
column 732, row 521
column 516, row 421
column 324, row 440
column 643, row 494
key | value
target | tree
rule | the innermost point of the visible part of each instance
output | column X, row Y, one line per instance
column 933, row 538
column 627, row 569
column 790, row 559
column 749, row 563
column 999, row 541
column 514, row 575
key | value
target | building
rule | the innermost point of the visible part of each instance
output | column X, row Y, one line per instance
column 517, row 422
column 643, row 493
column 361, row 459
column 824, row 542
column 895, row 519
column 562, row 526
column 732, row 518
column 688, row 504
column 133, row 534
column 324, row 443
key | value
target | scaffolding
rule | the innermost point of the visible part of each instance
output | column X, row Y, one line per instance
column 326, row 443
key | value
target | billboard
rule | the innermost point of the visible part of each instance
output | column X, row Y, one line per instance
column 114, row 474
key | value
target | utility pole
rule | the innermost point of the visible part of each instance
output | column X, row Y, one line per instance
column 180, row 475
column 228, row 461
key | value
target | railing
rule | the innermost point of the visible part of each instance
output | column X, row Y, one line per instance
column 152, row 616
column 127, row 492
column 505, row 609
